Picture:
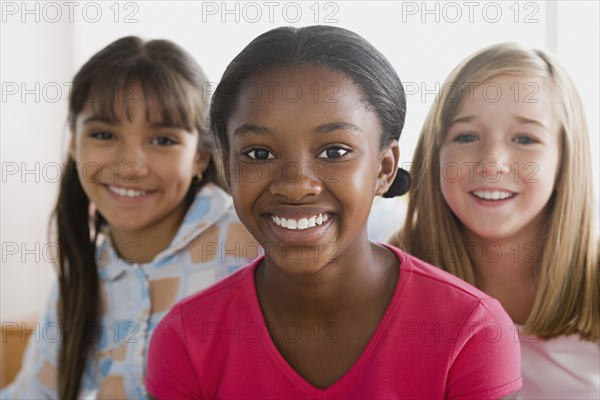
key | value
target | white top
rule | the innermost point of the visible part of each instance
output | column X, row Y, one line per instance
column 386, row 217
column 562, row 368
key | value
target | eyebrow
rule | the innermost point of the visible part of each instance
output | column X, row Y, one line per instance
column 337, row 126
column 110, row 121
column 465, row 119
column 96, row 118
column 324, row 128
column 521, row 119
column 251, row 128
column 524, row 120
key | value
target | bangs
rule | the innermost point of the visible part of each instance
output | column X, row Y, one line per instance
column 169, row 99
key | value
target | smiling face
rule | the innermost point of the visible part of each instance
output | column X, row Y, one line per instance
column 304, row 164
column 500, row 158
column 136, row 171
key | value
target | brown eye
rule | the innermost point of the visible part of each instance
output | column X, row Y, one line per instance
column 260, row 154
column 102, row 135
column 333, row 152
column 164, row 141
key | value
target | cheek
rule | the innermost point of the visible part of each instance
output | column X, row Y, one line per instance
column 448, row 190
column 173, row 165
column 541, row 176
column 542, row 169
column 248, row 181
column 449, row 175
column 91, row 169
column 448, row 167
column 88, row 154
column 448, row 155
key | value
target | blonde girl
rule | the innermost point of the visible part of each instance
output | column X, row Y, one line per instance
column 503, row 199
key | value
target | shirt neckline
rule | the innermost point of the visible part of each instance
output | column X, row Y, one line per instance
column 404, row 264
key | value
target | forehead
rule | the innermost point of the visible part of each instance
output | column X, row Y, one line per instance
column 131, row 103
column 300, row 97
column 514, row 94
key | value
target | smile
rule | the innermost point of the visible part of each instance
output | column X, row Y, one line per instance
column 492, row 195
column 302, row 223
column 131, row 193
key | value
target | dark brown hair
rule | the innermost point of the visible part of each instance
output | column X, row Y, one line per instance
column 331, row 47
column 174, row 86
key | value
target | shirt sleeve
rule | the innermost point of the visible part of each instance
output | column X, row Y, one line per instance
column 170, row 373
column 38, row 375
column 487, row 357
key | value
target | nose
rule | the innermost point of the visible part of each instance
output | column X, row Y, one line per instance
column 296, row 180
column 493, row 160
column 131, row 162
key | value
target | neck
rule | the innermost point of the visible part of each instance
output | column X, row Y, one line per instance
column 143, row 245
column 506, row 269
column 353, row 279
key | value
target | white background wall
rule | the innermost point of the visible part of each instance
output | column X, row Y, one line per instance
column 44, row 43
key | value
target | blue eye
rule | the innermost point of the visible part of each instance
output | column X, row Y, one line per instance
column 259, row 154
column 102, row 135
column 333, row 152
column 465, row 138
column 163, row 141
column 524, row 140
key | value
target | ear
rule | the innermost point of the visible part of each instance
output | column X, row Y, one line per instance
column 388, row 167
column 201, row 161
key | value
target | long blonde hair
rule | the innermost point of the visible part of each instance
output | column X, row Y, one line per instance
column 567, row 298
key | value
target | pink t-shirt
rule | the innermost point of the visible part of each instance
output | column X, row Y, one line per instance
column 439, row 338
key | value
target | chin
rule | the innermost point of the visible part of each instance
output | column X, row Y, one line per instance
column 299, row 264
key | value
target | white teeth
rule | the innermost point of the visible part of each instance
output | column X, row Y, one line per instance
column 302, row 223
column 492, row 195
column 126, row 192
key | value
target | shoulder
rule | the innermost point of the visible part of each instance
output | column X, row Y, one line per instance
column 424, row 273
column 192, row 323
column 445, row 294
column 462, row 333
column 214, row 302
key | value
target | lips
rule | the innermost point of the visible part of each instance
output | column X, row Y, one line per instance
column 300, row 223
column 129, row 194
column 494, row 195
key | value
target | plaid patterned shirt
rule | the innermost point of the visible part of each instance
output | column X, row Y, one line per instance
column 210, row 244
